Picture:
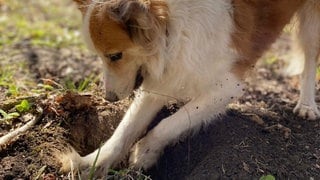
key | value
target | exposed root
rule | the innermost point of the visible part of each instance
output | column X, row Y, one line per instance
column 8, row 138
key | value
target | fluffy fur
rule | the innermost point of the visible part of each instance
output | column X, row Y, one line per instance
column 195, row 52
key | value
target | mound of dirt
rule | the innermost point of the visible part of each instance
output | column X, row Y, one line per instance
column 82, row 121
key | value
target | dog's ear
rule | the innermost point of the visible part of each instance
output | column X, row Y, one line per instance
column 145, row 20
column 82, row 5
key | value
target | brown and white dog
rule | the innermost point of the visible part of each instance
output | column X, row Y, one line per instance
column 193, row 51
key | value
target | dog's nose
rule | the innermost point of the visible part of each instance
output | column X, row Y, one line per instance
column 112, row 97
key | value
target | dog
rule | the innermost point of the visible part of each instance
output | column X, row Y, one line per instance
column 194, row 52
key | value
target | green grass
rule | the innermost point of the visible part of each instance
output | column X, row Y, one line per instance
column 7, row 80
column 93, row 168
column 43, row 23
column 40, row 24
column 82, row 85
column 267, row 177
column 14, row 76
column 6, row 117
column 127, row 174
column 24, row 106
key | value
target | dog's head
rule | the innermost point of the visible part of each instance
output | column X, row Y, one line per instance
column 125, row 34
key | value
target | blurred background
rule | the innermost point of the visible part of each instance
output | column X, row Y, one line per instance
column 41, row 40
column 43, row 23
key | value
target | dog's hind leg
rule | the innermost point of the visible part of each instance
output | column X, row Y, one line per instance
column 187, row 119
column 309, row 36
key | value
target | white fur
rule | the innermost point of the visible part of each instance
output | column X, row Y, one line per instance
column 309, row 35
column 194, row 68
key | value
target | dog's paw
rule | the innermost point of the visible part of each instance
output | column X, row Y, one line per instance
column 144, row 154
column 309, row 112
column 70, row 160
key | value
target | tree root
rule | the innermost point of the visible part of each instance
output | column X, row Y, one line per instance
column 9, row 138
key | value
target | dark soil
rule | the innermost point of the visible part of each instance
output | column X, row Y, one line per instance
column 259, row 134
column 237, row 147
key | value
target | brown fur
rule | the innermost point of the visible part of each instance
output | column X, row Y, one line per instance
column 109, row 36
column 143, row 21
column 82, row 5
column 257, row 24
column 116, row 26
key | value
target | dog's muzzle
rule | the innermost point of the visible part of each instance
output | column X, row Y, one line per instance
column 113, row 97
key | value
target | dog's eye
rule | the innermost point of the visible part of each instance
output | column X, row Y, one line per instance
column 114, row 57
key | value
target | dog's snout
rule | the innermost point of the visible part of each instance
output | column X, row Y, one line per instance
column 112, row 97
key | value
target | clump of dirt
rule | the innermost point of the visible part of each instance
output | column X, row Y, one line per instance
column 90, row 120
column 80, row 120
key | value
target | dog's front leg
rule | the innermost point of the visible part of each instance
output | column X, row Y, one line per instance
column 190, row 117
column 137, row 118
